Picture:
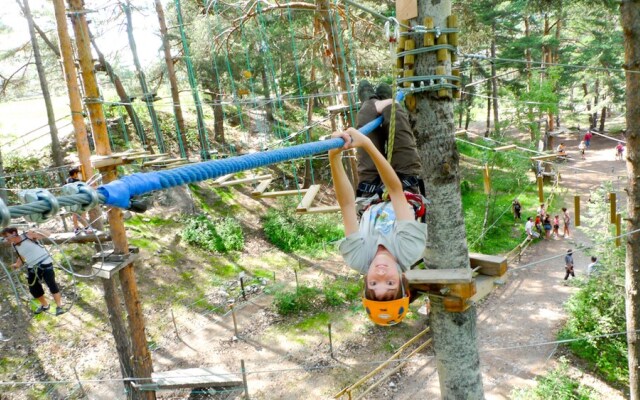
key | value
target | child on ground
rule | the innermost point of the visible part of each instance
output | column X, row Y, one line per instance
column 592, row 268
column 528, row 228
column 39, row 266
column 582, row 147
column 388, row 240
column 556, row 226
column 568, row 265
column 619, row 151
column 587, row 139
column 547, row 226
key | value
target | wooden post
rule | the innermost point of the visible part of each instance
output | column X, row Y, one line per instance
column 576, row 207
column 618, row 230
column 235, row 322
column 612, row 205
column 330, row 341
column 244, row 380
column 487, row 179
column 141, row 362
column 540, row 190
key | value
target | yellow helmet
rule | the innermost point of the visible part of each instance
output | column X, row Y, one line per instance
column 386, row 313
column 389, row 312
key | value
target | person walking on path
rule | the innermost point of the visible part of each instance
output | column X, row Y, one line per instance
column 620, row 152
column 568, row 265
column 39, row 266
column 582, row 147
column 587, row 139
column 516, row 207
column 567, row 223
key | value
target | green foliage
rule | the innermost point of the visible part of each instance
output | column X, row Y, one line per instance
column 556, row 385
column 598, row 308
column 221, row 235
column 290, row 302
column 332, row 294
column 308, row 233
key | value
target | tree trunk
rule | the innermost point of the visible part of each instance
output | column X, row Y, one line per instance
column 3, row 183
column 603, row 118
column 486, row 132
column 630, row 10
column 494, row 82
column 335, row 50
column 527, row 52
column 596, row 101
column 147, row 97
column 173, row 80
column 218, row 113
column 454, row 334
column 56, row 151
column 122, row 94
column 266, row 92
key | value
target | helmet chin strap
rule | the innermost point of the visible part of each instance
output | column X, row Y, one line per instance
column 404, row 294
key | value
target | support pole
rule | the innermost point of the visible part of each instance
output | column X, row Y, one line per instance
column 612, row 205
column 576, row 207
column 618, row 230
column 487, row 179
column 235, row 322
column 141, row 361
column 244, row 380
column 330, row 342
column 540, row 190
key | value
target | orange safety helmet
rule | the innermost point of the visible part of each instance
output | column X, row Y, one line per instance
column 390, row 312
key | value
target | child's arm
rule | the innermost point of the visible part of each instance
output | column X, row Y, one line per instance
column 387, row 174
column 342, row 186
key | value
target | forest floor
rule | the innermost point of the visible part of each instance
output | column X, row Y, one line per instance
column 289, row 358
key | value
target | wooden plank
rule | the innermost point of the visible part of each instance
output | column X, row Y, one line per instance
column 69, row 237
column 319, row 210
column 222, row 179
column 105, row 161
column 308, row 198
column 257, row 192
column 505, row 148
column 195, row 378
column 489, row 265
column 545, row 157
column 283, row 193
column 441, row 276
column 163, row 161
column 461, row 133
column 245, row 180
column 108, row 269
column 337, row 109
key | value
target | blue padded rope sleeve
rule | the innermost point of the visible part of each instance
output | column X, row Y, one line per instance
column 119, row 193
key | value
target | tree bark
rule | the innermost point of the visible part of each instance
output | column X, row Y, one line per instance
column 494, row 82
column 122, row 94
column 603, row 118
column 147, row 97
column 335, row 50
column 630, row 10
column 56, row 151
column 455, row 338
column 173, row 80
column 527, row 52
column 3, row 182
column 266, row 92
column 488, row 130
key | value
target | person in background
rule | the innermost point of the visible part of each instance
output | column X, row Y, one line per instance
column 592, row 268
column 620, row 151
column 568, row 265
column 74, row 176
column 556, row 226
column 587, row 139
column 528, row 228
column 567, row 223
column 582, row 147
column 39, row 266
column 516, row 207
column 546, row 223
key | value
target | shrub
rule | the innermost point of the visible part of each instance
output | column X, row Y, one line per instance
column 555, row 385
column 289, row 302
column 221, row 235
column 290, row 232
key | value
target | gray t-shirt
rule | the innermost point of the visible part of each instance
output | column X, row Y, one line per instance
column 405, row 240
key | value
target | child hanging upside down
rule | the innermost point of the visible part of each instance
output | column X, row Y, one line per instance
column 388, row 240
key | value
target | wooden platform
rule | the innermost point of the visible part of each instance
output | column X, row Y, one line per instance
column 194, row 378
column 108, row 269
column 489, row 265
column 439, row 276
column 545, row 157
